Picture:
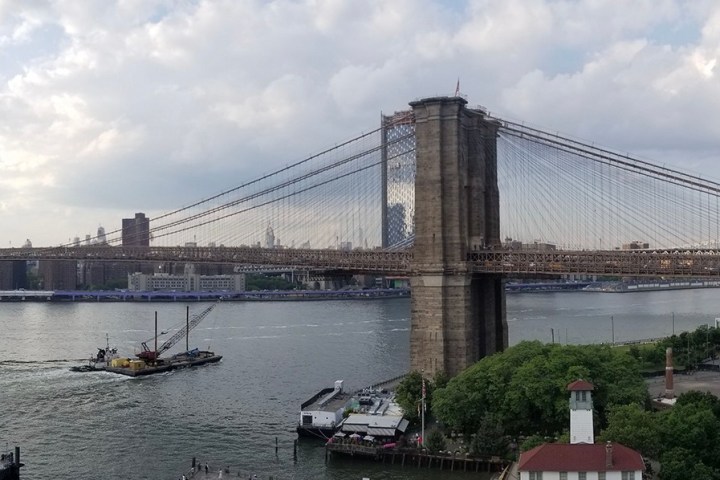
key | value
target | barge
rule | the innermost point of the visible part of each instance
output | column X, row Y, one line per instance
column 136, row 368
column 148, row 361
column 321, row 414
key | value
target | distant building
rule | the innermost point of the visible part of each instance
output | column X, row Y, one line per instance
column 190, row 282
column 101, row 239
column 58, row 274
column 542, row 246
column 581, row 459
column 13, row 275
column 136, row 231
column 397, row 230
column 511, row 244
column 636, row 245
column 269, row 237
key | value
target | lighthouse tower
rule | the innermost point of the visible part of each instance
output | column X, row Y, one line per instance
column 581, row 412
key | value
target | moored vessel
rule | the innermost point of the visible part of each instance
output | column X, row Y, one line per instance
column 370, row 411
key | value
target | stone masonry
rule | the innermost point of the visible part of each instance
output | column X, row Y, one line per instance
column 457, row 317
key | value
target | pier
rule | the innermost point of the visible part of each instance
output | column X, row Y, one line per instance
column 412, row 457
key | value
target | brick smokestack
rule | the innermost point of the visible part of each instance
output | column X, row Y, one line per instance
column 608, row 455
column 669, row 392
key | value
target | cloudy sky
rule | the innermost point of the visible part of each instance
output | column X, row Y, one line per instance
column 110, row 107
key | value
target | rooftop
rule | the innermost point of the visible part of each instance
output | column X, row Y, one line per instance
column 580, row 385
column 580, row 457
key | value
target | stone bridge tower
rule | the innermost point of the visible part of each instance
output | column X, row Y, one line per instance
column 457, row 317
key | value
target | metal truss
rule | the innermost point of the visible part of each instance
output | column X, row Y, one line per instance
column 511, row 263
column 636, row 263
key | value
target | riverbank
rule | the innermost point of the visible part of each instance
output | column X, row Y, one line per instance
column 650, row 285
column 161, row 296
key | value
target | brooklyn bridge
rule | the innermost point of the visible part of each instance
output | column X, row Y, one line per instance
column 454, row 198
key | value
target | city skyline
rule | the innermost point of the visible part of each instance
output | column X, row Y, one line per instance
column 114, row 108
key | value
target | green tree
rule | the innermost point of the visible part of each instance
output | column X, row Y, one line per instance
column 34, row 282
column 267, row 282
column 526, row 387
column 440, row 380
column 490, row 439
column 706, row 399
column 692, row 427
column 531, row 442
column 435, row 441
column 408, row 395
column 634, row 427
column 683, row 464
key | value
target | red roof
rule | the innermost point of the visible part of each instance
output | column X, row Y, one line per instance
column 580, row 385
column 579, row 457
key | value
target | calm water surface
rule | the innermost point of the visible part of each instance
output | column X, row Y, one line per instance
column 276, row 355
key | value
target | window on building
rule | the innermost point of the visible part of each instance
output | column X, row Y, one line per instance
column 584, row 396
column 582, row 475
column 535, row 475
column 563, row 476
column 627, row 475
column 601, row 476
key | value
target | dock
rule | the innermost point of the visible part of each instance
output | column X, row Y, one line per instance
column 412, row 457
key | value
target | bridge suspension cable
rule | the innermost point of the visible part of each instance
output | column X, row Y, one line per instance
column 575, row 195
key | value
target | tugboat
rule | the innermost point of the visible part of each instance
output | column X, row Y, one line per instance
column 99, row 361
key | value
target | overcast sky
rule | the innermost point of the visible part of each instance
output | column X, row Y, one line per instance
column 112, row 107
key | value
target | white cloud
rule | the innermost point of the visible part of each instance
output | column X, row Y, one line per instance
column 93, row 93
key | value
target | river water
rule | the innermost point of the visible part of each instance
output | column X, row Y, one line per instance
column 276, row 355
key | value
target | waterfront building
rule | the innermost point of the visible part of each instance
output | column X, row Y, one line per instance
column 58, row 274
column 136, row 231
column 188, row 282
column 397, row 230
column 269, row 237
column 13, row 275
column 581, row 459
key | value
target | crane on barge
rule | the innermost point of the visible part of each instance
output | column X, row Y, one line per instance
column 152, row 355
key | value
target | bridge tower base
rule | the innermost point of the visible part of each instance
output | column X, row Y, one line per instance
column 457, row 317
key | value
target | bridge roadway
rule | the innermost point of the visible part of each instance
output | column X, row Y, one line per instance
column 511, row 263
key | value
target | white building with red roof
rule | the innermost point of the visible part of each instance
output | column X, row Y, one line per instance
column 581, row 459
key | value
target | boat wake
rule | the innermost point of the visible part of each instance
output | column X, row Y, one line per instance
column 40, row 362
